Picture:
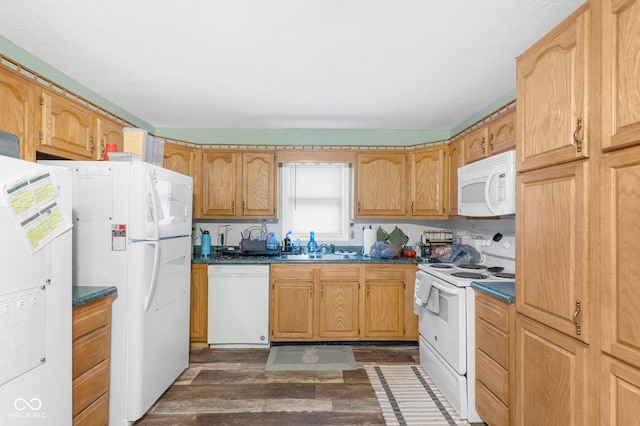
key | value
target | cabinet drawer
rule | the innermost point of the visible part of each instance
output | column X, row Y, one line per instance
column 493, row 376
column 384, row 273
column 89, row 386
column 492, row 311
column 97, row 414
column 493, row 342
column 342, row 273
column 490, row 409
column 292, row 272
column 90, row 349
column 91, row 316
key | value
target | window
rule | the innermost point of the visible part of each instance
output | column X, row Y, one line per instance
column 316, row 197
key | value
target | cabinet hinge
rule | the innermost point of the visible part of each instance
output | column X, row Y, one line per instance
column 41, row 135
column 41, row 100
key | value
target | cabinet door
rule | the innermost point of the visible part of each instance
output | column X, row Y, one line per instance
column 552, row 77
column 66, row 128
column 502, row 133
column 218, row 197
column 428, row 182
column 259, row 196
column 292, row 309
column 476, row 145
column 456, row 160
column 384, row 309
column 199, row 303
column 620, row 71
column 620, row 216
column 380, row 184
column 553, row 248
column 552, row 377
column 620, row 398
column 338, row 311
column 108, row 132
column 17, row 111
column 179, row 158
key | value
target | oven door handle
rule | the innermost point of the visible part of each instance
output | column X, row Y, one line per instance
column 446, row 289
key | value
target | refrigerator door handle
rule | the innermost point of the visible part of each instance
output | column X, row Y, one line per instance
column 154, row 274
column 153, row 204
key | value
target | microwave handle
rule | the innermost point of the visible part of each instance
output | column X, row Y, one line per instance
column 487, row 201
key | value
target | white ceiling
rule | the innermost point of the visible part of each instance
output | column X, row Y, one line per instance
column 278, row 64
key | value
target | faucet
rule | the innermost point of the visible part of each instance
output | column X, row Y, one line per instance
column 322, row 249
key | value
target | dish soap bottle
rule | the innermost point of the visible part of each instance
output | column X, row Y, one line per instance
column 312, row 246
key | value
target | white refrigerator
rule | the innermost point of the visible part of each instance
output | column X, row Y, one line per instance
column 35, row 294
column 132, row 229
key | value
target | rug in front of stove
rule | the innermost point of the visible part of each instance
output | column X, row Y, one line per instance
column 407, row 396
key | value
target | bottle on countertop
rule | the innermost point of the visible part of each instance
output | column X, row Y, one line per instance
column 312, row 246
column 205, row 245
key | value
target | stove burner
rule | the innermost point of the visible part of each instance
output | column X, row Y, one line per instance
column 505, row 275
column 441, row 266
column 471, row 266
column 471, row 275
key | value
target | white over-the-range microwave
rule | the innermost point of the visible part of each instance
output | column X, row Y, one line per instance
column 488, row 187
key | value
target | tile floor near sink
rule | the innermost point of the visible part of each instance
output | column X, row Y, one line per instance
column 230, row 386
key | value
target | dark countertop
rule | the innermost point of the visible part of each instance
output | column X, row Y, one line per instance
column 502, row 290
column 278, row 259
column 85, row 294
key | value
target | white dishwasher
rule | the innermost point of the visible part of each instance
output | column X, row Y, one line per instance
column 238, row 314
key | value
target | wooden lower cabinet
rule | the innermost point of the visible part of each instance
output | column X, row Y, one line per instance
column 620, row 396
column 495, row 360
column 552, row 376
column 342, row 302
column 91, row 362
column 199, row 304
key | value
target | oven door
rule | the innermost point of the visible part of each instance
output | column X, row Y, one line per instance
column 442, row 322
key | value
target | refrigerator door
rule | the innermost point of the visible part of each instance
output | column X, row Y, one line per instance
column 35, row 315
column 157, row 342
column 161, row 203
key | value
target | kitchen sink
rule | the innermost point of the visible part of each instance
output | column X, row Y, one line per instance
column 318, row 256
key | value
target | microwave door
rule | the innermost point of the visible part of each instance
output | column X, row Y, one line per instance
column 489, row 194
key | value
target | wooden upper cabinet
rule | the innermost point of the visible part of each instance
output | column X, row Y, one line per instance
column 66, row 128
column 455, row 160
column 620, row 73
column 259, row 196
column 179, row 158
column 552, row 78
column 380, row 185
column 238, row 184
column 429, row 174
column 553, row 248
column 17, row 111
column 502, row 133
column 620, row 245
column 475, row 144
column 108, row 133
column 218, row 198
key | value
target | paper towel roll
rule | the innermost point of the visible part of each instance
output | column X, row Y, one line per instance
column 369, row 240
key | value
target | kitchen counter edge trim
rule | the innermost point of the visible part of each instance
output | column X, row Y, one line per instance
column 82, row 295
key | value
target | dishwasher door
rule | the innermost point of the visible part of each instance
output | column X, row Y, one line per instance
column 238, row 314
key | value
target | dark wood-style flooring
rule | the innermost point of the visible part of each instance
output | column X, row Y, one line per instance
column 231, row 387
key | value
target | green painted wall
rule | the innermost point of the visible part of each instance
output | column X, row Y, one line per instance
column 302, row 137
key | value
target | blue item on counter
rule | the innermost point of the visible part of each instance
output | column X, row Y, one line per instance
column 206, row 245
column 312, row 246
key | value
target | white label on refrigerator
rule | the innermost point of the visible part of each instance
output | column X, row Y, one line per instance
column 22, row 332
column 118, row 237
column 32, row 201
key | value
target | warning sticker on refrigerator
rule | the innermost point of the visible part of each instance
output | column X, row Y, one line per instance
column 118, row 237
